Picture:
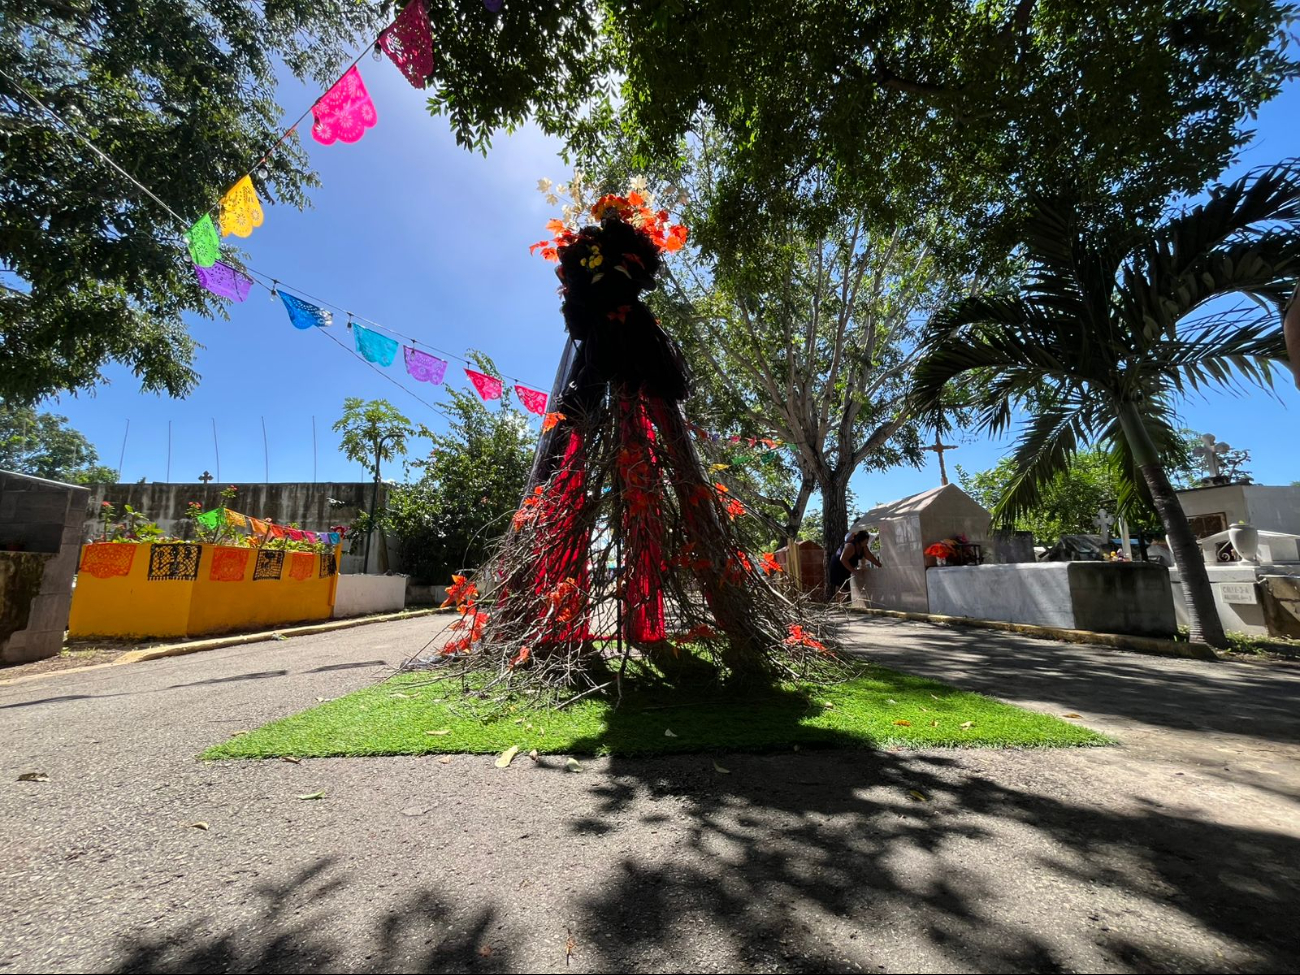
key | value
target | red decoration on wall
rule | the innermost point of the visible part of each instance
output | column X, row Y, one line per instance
column 229, row 564
column 302, row 566
column 105, row 560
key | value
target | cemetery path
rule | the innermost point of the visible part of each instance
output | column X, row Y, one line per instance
column 1176, row 851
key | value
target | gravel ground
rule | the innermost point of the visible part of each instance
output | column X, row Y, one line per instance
column 1177, row 851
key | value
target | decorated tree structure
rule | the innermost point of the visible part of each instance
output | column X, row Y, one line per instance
column 622, row 542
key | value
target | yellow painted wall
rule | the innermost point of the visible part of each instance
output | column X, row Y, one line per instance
column 132, row 606
column 129, row 606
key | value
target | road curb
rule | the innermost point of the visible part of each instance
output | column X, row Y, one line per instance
column 233, row 640
column 1133, row 644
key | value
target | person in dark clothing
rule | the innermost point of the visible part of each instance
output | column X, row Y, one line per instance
column 848, row 557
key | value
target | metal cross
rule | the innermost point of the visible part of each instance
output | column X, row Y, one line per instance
column 205, row 477
column 939, row 447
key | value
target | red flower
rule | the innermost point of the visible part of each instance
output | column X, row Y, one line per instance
column 551, row 420
column 533, row 248
column 734, row 509
column 799, row 637
column 521, row 658
column 770, row 564
column 676, row 238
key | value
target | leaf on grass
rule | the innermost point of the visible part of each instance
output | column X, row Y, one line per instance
column 936, row 697
column 828, row 705
column 292, row 760
column 400, row 694
column 33, row 777
column 905, row 723
column 719, row 768
column 202, row 826
column 507, row 756
column 917, row 796
column 236, row 734
column 1073, row 715
column 439, row 733
column 890, row 700
column 934, row 724
column 572, row 765
column 669, row 733
column 313, row 795
column 968, row 724
column 519, row 720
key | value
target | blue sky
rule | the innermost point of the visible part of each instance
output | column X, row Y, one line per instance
column 417, row 234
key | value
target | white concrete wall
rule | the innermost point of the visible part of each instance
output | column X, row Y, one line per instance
column 1103, row 597
column 358, row 595
column 1275, row 509
column 1030, row 592
column 1236, row 615
column 900, row 584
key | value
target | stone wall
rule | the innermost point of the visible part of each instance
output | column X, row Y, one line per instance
column 307, row 504
column 40, row 533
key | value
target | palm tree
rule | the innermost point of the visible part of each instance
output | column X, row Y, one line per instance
column 1098, row 343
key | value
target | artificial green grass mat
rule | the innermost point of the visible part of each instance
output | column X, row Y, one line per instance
column 880, row 707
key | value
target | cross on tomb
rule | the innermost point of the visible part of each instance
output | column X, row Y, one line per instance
column 205, row 477
column 939, row 447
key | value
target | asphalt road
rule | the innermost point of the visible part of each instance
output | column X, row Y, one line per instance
column 1177, row 851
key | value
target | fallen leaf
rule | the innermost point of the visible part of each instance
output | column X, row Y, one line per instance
column 202, row 826
column 507, row 756
column 935, row 696
column 291, row 759
column 319, row 699
column 533, row 755
column 890, row 700
column 1073, row 715
column 278, row 636
column 719, row 768
column 669, row 733
column 570, row 947
column 439, row 733
column 519, row 720
column 968, row 724
column 572, row 765
column 445, row 760
column 828, row 705
column 400, row 694
column 33, row 777
column 904, row 723
column 313, row 795
column 917, row 796
column 415, row 810
column 926, row 710
column 934, row 724
column 236, row 734
column 485, row 951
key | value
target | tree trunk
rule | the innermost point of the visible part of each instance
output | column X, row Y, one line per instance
column 835, row 523
column 1206, row 627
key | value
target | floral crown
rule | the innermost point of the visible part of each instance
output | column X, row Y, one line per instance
column 636, row 208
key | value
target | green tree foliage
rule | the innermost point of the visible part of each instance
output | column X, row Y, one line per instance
column 43, row 445
column 472, row 483
column 951, row 108
column 374, row 432
column 181, row 94
column 1068, row 503
column 1099, row 341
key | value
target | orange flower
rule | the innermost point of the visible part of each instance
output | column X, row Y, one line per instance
column 721, row 488
column 522, row 517
column 556, row 227
column 701, row 632
column 521, row 658
column 565, row 600
column 551, row 254
column 734, row 509
column 636, row 199
column 460, row 591
column 551, row 421
column 533, row 248
column 770, row 564
column 676, row 238
column 744, row 560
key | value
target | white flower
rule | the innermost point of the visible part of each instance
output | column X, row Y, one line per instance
column 639, row 184
column 552, row 199
column 544, row 185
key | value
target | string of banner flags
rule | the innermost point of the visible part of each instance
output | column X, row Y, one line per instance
column 343, row 114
